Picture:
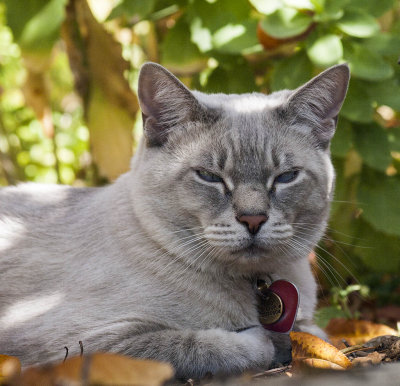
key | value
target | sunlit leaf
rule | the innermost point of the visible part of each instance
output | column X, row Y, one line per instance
column 359, row 24
column 98, row 66
column 306, row 345
column 10, row 368
column 132, row 8
column 217, row 14
column 355, row 331
column 36, row 25
column 179, row 53
column 321, row 364
column 266, row 7
column 100, row 369
column 325, row 51
column 236, row 39
column 286, row 23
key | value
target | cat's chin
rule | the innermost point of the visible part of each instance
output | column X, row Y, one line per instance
column 252, row 252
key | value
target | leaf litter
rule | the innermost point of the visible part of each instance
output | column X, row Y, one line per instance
column 355, row 343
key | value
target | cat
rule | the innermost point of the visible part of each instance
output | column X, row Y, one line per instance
column 223, row 190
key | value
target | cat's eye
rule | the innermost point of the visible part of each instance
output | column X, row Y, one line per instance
column 286, row 177
column 208, row 176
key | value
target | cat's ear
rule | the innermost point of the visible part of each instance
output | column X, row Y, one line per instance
column 318, row 102
column 165, row 102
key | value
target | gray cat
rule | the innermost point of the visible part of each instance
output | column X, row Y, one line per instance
column 223, row 190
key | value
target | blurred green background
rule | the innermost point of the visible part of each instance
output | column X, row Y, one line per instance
column 69, row 112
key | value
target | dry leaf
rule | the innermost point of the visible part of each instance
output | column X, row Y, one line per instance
column 321, row 364
column 109, row 103
column 373, row 358
column 100, row 369
column 10, row 367
column 355, row 331
column 305, row 345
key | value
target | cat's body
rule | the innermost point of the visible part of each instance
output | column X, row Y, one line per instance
column 162, row 263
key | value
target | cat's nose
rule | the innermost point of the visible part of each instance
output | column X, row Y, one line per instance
column 253, row 222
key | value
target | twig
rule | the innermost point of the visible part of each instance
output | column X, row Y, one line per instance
column 66, row 353
column 277, row 370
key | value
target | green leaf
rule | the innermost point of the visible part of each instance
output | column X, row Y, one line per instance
column 378, row 251
column 372, row 7
column 266, row 7
column 291, row 72
column 342, row 140
column 324, row 314
column 35, row 24
column 285, row 23
column 383, row 43
column 237, row 39
column 177, row 51
column 371, row 142
column 358, row 23
column 358, row 105
column 200, row 35
column 378, row 196
column 378, row 92
column 217, row 14
column 366, row 64
column 234, row 76
column 325, row 51
column 331, row 10
column 131, row 8
column 394, row 139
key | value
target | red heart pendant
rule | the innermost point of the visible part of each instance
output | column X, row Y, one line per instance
column 285, row 298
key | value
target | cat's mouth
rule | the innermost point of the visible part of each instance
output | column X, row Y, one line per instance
column 252, row 251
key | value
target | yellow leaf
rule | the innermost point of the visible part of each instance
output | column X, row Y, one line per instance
column 100, row 369
column 305, row 345
column 355, row 331
column 321, row 364
column 10, row 367
column 109, row 103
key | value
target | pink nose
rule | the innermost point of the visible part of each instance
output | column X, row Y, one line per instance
column 253, row 222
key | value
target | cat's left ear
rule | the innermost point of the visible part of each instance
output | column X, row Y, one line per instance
column 319, row 101
column 165, row 103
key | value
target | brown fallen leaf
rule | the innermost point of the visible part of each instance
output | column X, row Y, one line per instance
column 10, row 367
column 355, row 331
column 321, row 364
column 305, row 345
column 99, row 369
column 373, row 358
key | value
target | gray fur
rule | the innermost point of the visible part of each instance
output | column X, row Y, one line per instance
column 156, row 265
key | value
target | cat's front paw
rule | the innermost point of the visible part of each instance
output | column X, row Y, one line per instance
column 283, row 349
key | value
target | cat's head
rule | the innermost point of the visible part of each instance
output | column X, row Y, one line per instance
column 242, row 179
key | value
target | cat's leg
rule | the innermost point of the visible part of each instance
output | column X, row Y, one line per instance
column 299, row 273
column 194, row 353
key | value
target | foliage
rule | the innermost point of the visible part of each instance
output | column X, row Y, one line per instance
column 219, row 46
column 340, row 304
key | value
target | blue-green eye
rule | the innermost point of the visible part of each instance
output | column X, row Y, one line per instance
column 286, row 177
column 208, row 176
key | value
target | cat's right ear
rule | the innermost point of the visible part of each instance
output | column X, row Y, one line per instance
column 165, row 102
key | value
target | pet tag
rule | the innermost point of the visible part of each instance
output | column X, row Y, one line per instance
column 278, row 305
